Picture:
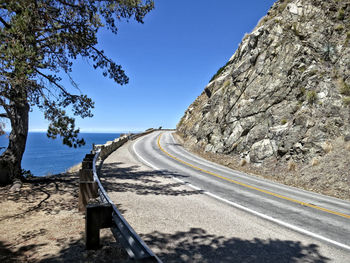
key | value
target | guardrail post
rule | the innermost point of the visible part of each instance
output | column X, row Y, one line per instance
column 97, row 216
column 87, row 186
column 106, row 215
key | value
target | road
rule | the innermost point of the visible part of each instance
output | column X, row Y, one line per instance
column 323, row 218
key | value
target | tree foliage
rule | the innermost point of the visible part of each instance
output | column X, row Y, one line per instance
column 41, row 38
column 39, row 41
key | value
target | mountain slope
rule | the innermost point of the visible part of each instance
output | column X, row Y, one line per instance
column 285, row 93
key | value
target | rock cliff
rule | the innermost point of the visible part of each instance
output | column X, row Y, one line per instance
column 285, row 93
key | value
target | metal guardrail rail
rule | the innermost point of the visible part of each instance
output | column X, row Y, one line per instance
column 133, row 244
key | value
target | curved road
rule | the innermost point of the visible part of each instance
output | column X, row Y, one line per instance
column 321, row 217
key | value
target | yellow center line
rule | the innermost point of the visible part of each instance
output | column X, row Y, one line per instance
column 249, row 186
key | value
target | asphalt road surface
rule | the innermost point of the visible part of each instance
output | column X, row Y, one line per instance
column 320, row 217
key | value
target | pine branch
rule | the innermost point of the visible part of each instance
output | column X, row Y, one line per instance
column 5, row 23
column 53, row 82
column 4, row 115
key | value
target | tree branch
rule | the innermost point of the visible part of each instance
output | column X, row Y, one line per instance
column 53, row 82
column 101, row 54
column 5, row 23
column 4, row 115
column 68, row 4
column 2, row 102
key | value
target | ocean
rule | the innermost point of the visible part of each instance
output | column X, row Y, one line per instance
column 45, row 156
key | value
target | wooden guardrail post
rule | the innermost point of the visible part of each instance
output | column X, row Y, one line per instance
column 106, row 215
column 88, row 188
column 97, row 216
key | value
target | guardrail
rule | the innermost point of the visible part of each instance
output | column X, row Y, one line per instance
column 103, row 213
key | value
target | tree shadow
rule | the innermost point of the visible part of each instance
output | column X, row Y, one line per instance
column 116, row 178
column 49, row 196
column 74, row 251
column 8, row 254
column 197, row 245
column 71, row 251
column 36, row 193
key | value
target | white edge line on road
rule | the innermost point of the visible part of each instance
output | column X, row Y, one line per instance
column 277, row 221
column 141, row 158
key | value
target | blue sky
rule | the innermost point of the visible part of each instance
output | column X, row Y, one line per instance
column 169, row 60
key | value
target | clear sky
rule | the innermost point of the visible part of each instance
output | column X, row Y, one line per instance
column 169, row 60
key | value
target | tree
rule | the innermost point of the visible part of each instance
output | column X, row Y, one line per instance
column 39, row 40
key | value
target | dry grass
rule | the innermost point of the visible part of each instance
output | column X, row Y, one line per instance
column 344, row 88
column 226, row 84
column 327, row 147
column 315, row 161
column 243, row 162
column 347, row 146
column 291, row 166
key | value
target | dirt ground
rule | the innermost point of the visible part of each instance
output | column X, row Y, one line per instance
column 328, row 174
column 41, row 223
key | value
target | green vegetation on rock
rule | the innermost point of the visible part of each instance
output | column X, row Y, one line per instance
column 219, row 71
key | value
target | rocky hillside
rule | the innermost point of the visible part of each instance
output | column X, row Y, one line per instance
column 285, row 93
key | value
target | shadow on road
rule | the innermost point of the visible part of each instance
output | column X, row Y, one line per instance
column 197, row 245
column 132, row 179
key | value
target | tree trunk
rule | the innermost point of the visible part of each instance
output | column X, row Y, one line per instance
column 10, row 160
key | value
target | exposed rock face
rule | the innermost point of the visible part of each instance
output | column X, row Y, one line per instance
column 285, row 92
